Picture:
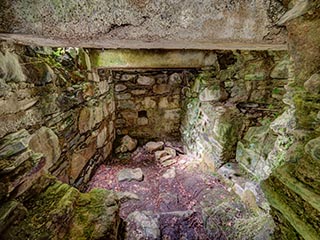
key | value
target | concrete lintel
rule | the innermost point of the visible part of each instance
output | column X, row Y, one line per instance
column 136, row 44
column 160, row 58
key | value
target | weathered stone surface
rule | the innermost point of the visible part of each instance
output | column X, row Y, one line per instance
column 312, row 85
column 138, row 91
column 165, row 154
column 14, row 143
column 143, row 121
column 128, row 144
column 213, row 94
column 169, row 102
column 80, row 158
column 313, row 148
column 154, row 146
column 89, row 117
column 281, row 71
column 253, row 150
column 185, row 21
column 120, row 87
column 102, row 137
column 170, row 173
column 148, row 102
column 14, row 105
column 46, row 142
column 128, row 174
column 127, row 196
column 161, row 88
column 143, row 225
column 145, row 81
column 175, row 79
column 123, row 96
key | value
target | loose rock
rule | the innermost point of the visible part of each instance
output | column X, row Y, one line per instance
column 129, row 174
column 154, row 146
column 143, row 225
column 127, row 196
column 128, row 144
column 170, row 173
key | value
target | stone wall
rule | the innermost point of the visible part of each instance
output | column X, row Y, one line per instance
column 56, row 122
column 148, row 103
column 293, row 188
column 230, row 104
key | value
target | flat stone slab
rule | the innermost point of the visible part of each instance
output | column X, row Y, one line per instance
column 154, row 146
column 127, row 196
column 129, row 174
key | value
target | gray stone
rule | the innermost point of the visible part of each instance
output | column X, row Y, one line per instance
column 145, row 81
column 14, row 144
column 142, row 121
column 300, row 8
column 175, row 79
column 129, row 174
column 123, row 96
column 154, row 146
column 313, row 148
column 127, row 77
column 213, row 93
column 127, row 196
column 101, row 137
column 117, row 24
column 170, row 173
column 143, row 225
column 120, row 87
column 167, row 152
column 312, row 85
column 128, row 144
column 46, row 142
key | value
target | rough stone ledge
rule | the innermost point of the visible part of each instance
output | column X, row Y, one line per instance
column 25, row 39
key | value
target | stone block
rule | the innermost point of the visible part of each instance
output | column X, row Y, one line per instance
column 123, row 96
column 138, row 91
column 149, row 102
column 127, row 144
column 46, row 142
column 161, row 88
column 80, row 158
column 142, row 121
column 102, row 137
column 14, row 143
column 127, row 77
column 146, row 81
column 154, row 146
column 175, row 79
column 129, row 174
column 120, row 87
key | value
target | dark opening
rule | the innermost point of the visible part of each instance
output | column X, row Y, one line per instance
column 142, row 113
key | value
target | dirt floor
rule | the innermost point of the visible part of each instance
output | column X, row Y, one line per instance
column 174, row 202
